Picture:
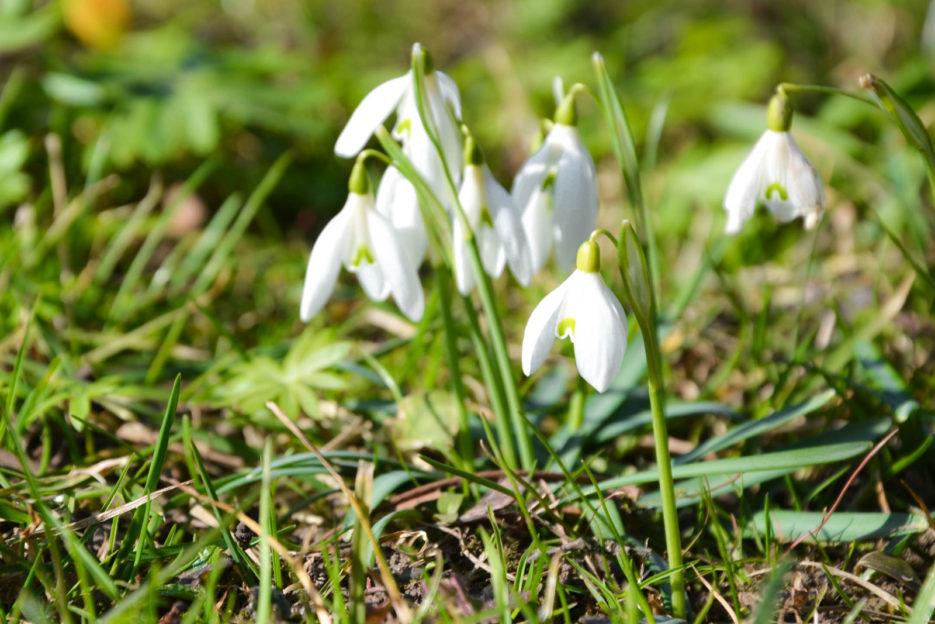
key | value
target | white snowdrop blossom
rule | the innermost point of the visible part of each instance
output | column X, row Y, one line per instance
column 398, row 202
column 777, row 174
column 397, row 198
column 364, row 241
column 495, row 222
column 583, row 309
column 556, row 190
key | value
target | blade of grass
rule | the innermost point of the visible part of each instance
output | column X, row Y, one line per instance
column 265, row 589
column 123, row 304
column 139, row 525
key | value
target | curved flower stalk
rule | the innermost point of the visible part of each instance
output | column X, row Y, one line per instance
column 583, row 309
column 556, row 190
column 363, row 241
column 397, row 198
column 777, row 174
column 493, row 220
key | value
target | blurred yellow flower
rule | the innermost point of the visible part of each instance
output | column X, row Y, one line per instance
column 97, row 24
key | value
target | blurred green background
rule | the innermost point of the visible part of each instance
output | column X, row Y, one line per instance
column 164, row 84
column 157, row 88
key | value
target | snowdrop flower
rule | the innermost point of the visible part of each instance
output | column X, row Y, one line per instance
column 396, row 197
column 583, row 309
column 494, row 221
column 399, row 95
column 556, row 190
column 776, row 174
column 364, row 241
column 398, row 202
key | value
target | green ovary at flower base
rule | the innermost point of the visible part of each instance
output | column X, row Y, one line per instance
column 493, row 221
column 777, row 174
column 363, row 241
column 556, row 190
column 584, row 310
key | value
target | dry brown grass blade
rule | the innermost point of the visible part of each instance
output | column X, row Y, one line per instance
column 399, row 604
column 827, row 515
column 885, row 596
column 320, row 611
column 717, row 596
column 117, row 511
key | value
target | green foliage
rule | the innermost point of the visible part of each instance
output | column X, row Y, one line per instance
column 159, row 199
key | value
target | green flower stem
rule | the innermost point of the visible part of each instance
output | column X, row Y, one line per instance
column 636, row 282
column 465, row 444
column 576, row 405
column 432, row 208
column 502, row 358
column 670, row 517
column 485, row 286
column 494, row 387
column 790, row 87
column 889, row 95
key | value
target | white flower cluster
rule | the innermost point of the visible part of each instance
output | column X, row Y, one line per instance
column 553, row 202
column 552, row 207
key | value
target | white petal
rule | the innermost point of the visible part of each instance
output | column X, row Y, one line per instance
column 449, row 91
column 805, row 192
column 464, row 273
column 324, row 264
column 372, row 281
column 370, row 113
column 449, row 133
column 509, row 227
column 537, row 223
column 746, row 185
column 575, row 207
column 540, row 329
column 398, row 271
column 532, row 174
column 600, row 329
column 490, row 249
column 398, row 202
column 425, row 159
column 472, row 199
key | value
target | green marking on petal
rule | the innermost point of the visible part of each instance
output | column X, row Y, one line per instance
column 566, row 327
column 778, row 188
column 363, row 256
column 548, row 184
column 485, row 217
column 404, row 126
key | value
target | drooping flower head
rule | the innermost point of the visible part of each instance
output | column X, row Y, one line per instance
column 396, row 197
column 583, row 309
column 366, row 244
column 493, row 220
column 556, row 191
column 777, row 174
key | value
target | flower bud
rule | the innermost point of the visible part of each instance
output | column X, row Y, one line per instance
column 635, row 273
column 900, row 111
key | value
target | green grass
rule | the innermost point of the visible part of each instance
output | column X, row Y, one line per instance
column 175, row 443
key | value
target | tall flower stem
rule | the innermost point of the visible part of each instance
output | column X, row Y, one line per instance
column 502, row 421
column 638, row 288
column 485, row 286
column 432, row 207
column 465, row 444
